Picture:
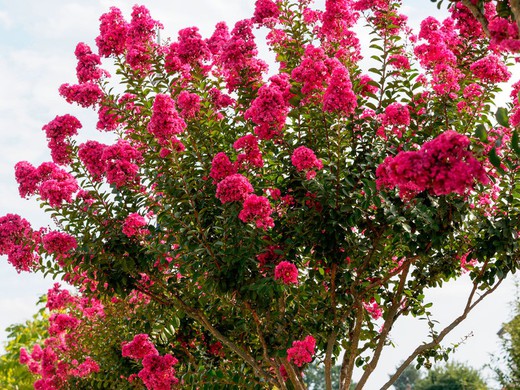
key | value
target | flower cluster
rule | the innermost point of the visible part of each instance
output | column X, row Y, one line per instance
column 287, row 272
column 305, row 160
column 373, row 309
column 339, row 96
column 442, row 166
column 117, row 162
column 58, row 131
column 165, row 122
column 17, row 241
column 301, row 352
column 133, row 225
column 157, row 372
column 52, row 183
column 59, row 244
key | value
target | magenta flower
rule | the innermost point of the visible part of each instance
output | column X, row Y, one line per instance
column 234, row 188
column 257, row 209
column 287, row 272
column 301, row 352
column 139, row 347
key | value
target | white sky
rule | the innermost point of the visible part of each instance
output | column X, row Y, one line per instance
column 37, row 42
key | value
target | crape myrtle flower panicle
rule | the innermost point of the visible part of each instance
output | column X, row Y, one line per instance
column 189, row 104
column 396, row 114
column 59, row 243
column 27, row 178
column 191, row 48
column 165, row 121
column 301, row 352
column 304, row 159
column 234, row 188
column 121, row 161
column 90, row 154
column 339, row 96
column 88, row 64
column 220, row 36
column 133, row 225
column 139, row 347
column 56, row 185
column 287, row 272
column 268, row 111
column 221, row 167
column 57, row 131
column 265, row 10
column 113, row 31
column 252, row 155
column 158, row 372
column 86, row 94
column 257, row 209
column 490, row 69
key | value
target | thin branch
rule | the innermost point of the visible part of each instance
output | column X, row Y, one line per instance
column 437, row 340
column 389, row 321
column 347, row 366
column 328, row 360
column 294, row 376
column 478, row 15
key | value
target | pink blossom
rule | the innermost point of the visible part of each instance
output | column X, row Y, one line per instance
column 252, row 155
column 13, row 230
column 139, row 347
column 233, row 188
column 301, row 352
column 490, row 69
column 58, row 298
column 337, row 19
column 339, row 96
column 265, row 10
column 113, row 31
column 27, row 178
column 373, row 309
column 158, row 372
column 304, row 159
column 59, row 243
column 312, row 70
column 88, row 64
column 165, row 121
column 396, row 114
column 91, row 155
column 268, row 111
column 57, row 185
column 133, row 225
column 86, row 94
column 192, row 49
column 59, row 323
column 221, row 167
column 219, row 38
column 189, row 104
column 268, row 258
column 238, row 57
column 121, row 163
column 258, row 209
column 108, row 120
column 443, row 165
column 287, row 272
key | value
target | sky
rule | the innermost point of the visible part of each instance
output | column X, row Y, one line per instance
column 37, row 42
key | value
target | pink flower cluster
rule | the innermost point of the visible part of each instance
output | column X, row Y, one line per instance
column 442, row 166
column 165, row 122
column 312, row 71
column 237, row 57
column 301, row 352
column 88, row 64
column 133, row 225
column 221, row 167
column 257, row 209
column 57, row 362
column 157, row 372
column 287, row 272
column 490, row 69
column 305, row 160
column 265, row 11
column 52, row 183
column 57, row 131
column 373, row 309
column 270, row 108
column 268, row 258
column 189, row 104
column 60, row 244
column 252, row 155
column 85, row 94
column 236, row 188
column 339, row 96
column 17, row 241
column 117, row 162
column 396, row 114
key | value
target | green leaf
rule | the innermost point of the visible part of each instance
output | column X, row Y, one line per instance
column 501, row 116
column 515, row 143
column 495, row 160
column 480, row 132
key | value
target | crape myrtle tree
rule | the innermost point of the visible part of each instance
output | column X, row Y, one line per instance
column 247, row 222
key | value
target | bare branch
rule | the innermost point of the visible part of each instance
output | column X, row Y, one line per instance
column 437, row 340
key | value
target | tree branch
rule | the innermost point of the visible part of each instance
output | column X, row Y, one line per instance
column 437, row 340
column 478, row 15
